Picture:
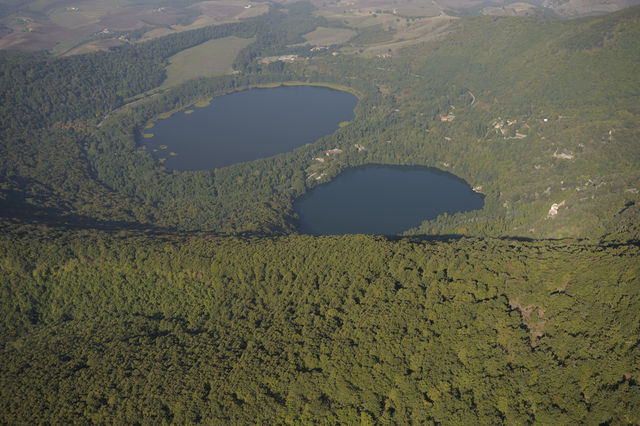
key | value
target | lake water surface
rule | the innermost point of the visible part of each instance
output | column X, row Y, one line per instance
column 248, row 125
column 258, row 123
column 383, row 200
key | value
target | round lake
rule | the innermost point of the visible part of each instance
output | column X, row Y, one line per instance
column 248, row 125
column 383, row 200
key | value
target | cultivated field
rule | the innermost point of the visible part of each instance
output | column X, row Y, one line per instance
column 66, row 27
column 212, row 13
column 208, row 59
column 327, row 36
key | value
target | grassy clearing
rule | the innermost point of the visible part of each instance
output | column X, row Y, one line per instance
column 208, row 59
column 157, row 32
column 425, row 31
column 323, row 36
column 354, row 19
column 63, row 47
column 399, row 31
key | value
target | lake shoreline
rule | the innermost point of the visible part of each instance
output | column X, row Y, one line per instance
column 247, row 125
column 382, row 199
column 204, row 102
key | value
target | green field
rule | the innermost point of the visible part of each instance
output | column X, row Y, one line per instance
column 208, row 59
column 323, row 36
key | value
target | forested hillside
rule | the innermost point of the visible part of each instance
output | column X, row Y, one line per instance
column 131, row 293
column 52, row 110
column 543, row 112
column 142, row 328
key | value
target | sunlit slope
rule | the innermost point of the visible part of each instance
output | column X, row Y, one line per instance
column 542, row 112
column 520, row 62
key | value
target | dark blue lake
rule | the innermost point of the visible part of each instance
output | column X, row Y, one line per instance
column 248, row 125
column 383, row 200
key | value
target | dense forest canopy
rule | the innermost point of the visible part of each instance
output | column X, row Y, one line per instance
column 134, row 327
column 134, row 294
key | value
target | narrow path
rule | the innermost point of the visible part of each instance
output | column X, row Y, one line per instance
column 473, row 101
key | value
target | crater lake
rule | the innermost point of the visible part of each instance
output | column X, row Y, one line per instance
column 247, row 125
column 383, row 200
